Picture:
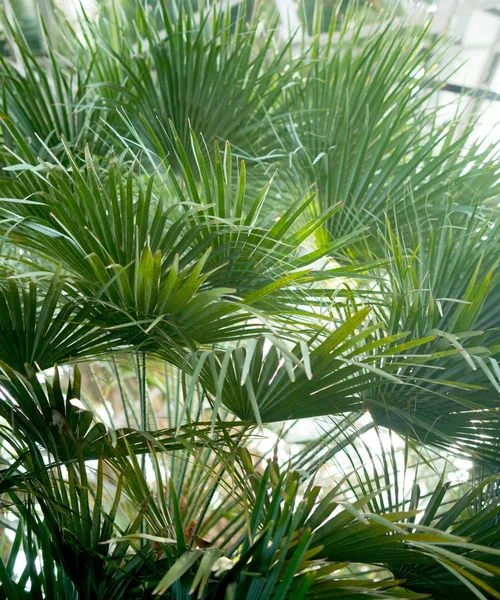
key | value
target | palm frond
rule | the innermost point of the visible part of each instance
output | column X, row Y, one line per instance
column 359, row 125
column 39, row 332
column 445, row 282
column 206, row 70
column 45, row 99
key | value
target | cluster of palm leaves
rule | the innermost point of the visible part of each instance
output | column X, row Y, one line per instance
column 213, row 237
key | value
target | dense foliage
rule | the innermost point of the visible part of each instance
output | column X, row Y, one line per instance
column 210, row 233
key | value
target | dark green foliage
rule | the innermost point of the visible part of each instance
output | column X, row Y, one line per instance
column 159, row 282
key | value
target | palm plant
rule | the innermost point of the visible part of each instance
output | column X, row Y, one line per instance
column 209, row 240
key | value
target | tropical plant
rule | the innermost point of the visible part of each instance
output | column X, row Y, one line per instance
column 248, row 325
